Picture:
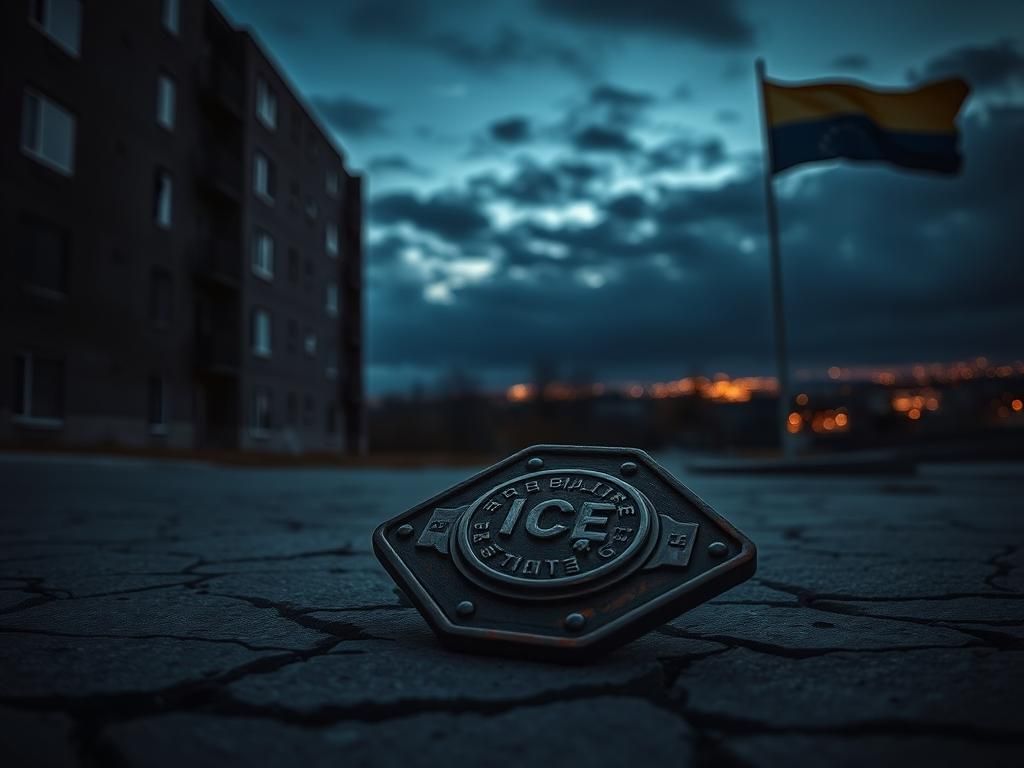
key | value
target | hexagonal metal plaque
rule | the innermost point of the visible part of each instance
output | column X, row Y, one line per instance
column 566, row 550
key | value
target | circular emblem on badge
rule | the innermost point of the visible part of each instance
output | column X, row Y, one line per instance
column 554, row 532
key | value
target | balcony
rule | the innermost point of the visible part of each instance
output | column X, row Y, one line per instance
column 220, row 171
column 218, row 352
column 221, row 87
column 219, row 263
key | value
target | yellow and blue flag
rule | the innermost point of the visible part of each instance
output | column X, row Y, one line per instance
column 820, row 121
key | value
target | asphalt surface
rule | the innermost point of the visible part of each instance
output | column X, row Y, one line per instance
column 169, row 613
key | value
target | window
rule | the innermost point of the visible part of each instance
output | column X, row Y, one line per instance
column 160, row 298
column 332, row 418
column 331, row 183
column 263, row 255
column 296, row 126
column 293, row 409
column 261, row 333
column 266, row 104
column 310, row 344
column 157, row 406
column 163, row 199
column 170, row 16
column 38, row 390
column 261, row 412
column 43, row 257
column 294, row 197
column 48, row 133
column 331, row 238
column 332, row 299
column 263, row 177
column 59, row 20
column 293, row 266
column 311, row 208
column 165, row 94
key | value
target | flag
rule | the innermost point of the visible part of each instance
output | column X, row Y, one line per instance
column 820, row 121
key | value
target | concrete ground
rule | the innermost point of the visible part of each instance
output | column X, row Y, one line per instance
column 169, row 613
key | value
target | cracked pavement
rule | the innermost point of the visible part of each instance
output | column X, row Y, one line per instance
column 159, row 613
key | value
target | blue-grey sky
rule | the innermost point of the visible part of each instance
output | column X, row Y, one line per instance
column 578, row 182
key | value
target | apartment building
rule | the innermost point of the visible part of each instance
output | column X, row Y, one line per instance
column 183, row 240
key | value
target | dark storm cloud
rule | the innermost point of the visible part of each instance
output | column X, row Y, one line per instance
column 875, row 268
column 529, row 185
column 716, row 22
column 395, row 163
column 421, row 25
column 851, row 62
column 986, row 68
column 631, row 206
column 600, row 138
column 511, row 130
column 580, row 172
column 451, row 215
column 508, row 45
column 351, row 116
column 680, row 153
column 612, row 105
column 534, row 184
column 602, row 119
column 620, row 98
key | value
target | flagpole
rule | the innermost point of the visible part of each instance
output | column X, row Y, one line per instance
column 781, row 361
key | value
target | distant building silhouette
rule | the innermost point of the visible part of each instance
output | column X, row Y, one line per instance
column 182, row 241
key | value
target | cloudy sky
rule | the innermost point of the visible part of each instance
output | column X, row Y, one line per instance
column 578, row 182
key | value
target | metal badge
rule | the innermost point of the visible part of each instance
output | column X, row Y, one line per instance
column 568, row 550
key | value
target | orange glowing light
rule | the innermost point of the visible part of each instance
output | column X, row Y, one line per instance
column 518, row 393
column 901, row 404
column 801, row 399
column 794, row 419
column 842, row 419
column 1017, row 405
column 914, row 414
column 834, row 372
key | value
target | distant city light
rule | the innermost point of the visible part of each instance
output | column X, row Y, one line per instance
column 923, row 390
column 517, row 393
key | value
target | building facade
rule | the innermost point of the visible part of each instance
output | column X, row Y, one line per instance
column 182, row 241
